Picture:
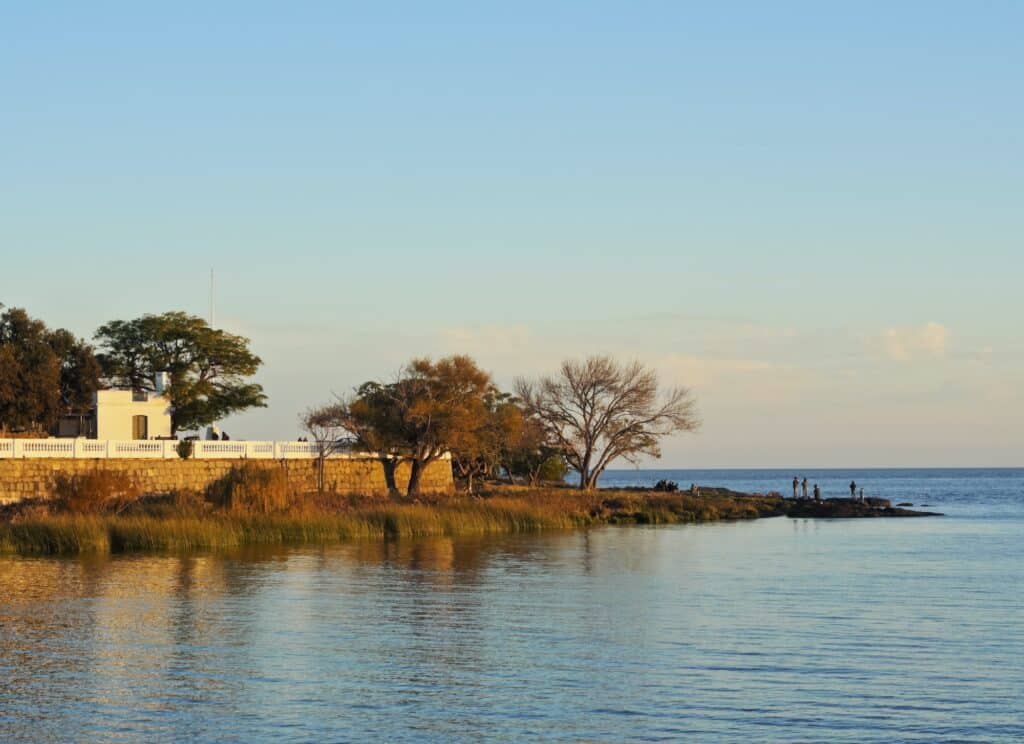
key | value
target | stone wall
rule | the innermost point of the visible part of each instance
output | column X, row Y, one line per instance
column 34, row 478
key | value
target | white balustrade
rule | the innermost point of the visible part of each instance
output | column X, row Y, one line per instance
column 165, row 449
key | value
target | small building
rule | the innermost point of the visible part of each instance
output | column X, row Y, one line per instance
column 123, row 414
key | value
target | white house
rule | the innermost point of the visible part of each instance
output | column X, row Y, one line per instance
column 124, row 414
column 132, row 414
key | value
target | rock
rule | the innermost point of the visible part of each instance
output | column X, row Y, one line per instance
column 904, row 503
column 848, row 508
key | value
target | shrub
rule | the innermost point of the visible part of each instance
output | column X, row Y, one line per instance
column 666, row 486
column 251, row 489
column 94, row 492
column 184, row 449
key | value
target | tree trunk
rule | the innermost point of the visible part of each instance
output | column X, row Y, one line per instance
column 390, row 465
column 585, row 475
column 320, row 474
column 415, row 474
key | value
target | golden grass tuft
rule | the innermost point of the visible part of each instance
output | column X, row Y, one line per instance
column 94, row 492
column 249, row 490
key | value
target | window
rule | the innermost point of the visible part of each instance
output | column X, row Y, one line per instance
column 139, row 396
column 140, row 427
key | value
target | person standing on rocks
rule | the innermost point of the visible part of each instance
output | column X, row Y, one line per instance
column 796, row 482
column 853, row 489
column 817, row 492
column 803, row 485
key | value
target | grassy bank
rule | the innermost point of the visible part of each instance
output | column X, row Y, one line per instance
column 255, row 513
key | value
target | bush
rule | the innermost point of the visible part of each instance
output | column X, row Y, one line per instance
column 251, row 489
column 666, row 486
column 184, row 449
column 95, row 492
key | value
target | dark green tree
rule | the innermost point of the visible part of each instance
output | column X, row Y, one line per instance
column 43, row 373
column 208, row 367
column 79, row 371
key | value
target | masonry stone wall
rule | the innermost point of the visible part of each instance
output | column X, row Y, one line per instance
column 34, row 478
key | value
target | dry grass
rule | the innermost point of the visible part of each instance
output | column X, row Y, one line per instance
column 245, row 509
column 94, row 493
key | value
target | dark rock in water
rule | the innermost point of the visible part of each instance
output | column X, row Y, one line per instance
column 848, row 508
column 904, row 503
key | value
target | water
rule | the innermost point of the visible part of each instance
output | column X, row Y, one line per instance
column 775, row 630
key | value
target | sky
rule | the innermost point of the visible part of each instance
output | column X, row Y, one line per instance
column 809, row 213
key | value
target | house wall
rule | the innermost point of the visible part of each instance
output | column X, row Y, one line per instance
column 28, row 478
column 115, row 409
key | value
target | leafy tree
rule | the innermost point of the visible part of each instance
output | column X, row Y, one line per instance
column 425, row 412
column 207, row 366
column 43, row 373
column 532, row 456
column 599, row 410
column 79, row 371
column 479, row 451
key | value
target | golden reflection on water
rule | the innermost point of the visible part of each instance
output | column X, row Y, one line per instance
column 151, row 633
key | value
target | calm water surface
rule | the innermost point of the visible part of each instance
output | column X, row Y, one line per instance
column 786, row 630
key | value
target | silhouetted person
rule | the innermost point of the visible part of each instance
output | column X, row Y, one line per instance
column 224, row 436
column 853, row 489
column 796, row 482
column 817, row 493
column 803, row 485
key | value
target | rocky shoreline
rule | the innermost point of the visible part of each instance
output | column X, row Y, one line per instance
column 848, row 508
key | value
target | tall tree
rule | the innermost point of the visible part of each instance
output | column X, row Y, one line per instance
column 422, row 414
column 208, row 367
column 599, row 410
column 79, row 371
column 43, row 373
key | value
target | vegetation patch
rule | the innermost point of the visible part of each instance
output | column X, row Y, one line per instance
column 254, row 507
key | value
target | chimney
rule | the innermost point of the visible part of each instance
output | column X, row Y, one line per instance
column 162, row 382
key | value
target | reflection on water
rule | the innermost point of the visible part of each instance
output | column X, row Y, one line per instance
column 779, row 629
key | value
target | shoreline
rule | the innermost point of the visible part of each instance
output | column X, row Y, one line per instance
column 176, row 523
column 192, row 522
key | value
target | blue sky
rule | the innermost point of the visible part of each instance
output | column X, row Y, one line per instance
column 808, row 212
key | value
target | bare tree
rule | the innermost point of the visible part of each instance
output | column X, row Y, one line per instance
column 598, row 410
column 326, row 426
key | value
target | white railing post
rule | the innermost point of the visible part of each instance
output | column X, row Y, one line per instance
column 19, row 448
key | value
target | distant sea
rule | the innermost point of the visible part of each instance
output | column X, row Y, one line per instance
column 770, row 630
column 979, row 491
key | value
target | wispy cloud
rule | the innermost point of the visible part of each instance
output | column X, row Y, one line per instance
column 930, row 340
column 488, row 338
